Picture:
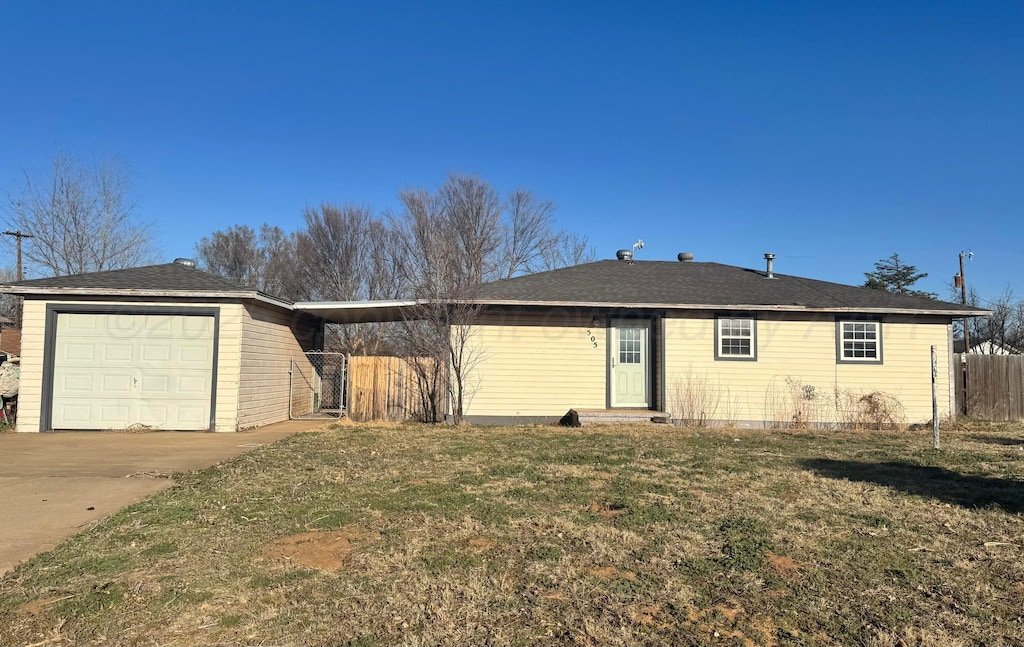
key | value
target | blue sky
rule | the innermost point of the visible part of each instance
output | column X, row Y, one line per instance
column 832, row 134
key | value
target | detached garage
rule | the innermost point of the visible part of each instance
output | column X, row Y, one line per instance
column 160, row 347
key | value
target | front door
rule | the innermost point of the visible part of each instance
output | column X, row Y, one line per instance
column 628, row 364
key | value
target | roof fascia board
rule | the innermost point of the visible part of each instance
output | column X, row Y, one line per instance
column 354, row 305
column 719, row 306
column 103, row 292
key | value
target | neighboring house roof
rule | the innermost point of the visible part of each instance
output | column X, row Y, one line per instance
column 700, row 285
column 986, row 347
column 168, row 279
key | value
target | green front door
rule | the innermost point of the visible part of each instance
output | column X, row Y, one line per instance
column 628, row 363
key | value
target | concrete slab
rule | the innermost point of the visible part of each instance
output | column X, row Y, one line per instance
column 52, row 485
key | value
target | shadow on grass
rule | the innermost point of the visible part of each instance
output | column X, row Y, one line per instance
column 996, row 440
column 935, row 482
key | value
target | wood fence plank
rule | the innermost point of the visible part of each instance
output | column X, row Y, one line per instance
column 384, row 388
column 995, row 387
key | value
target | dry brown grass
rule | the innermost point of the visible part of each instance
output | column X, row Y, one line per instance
column 411, row 535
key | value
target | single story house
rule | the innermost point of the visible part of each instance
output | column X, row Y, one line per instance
column 172, row 347
column 164, row 346
column 698, row 341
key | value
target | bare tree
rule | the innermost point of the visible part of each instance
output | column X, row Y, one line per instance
column 471, row 215
column 447, row 244
column 564, row 249
column 82, row 219
column 10, row 305
column 1003, row 330
column 264, row 260
column 527, row 233
column 234, row 254
column 1000, row 332
column 531, row 244
column 332, row 246
column 348, row 255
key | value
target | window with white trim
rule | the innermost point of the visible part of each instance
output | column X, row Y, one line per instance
column 735, row 338
column 860, row 341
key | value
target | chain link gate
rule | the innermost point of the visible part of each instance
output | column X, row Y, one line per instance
column 318, row 385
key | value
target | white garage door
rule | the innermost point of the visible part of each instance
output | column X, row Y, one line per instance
column 113, row 371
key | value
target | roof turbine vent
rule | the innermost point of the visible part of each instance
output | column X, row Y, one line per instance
column 185, row 262
column 627, row 254
column 770, row 257
column 685, row 257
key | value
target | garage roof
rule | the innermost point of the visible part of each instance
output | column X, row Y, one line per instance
column 167, row 279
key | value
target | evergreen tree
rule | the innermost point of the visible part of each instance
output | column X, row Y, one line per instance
column 893, row 275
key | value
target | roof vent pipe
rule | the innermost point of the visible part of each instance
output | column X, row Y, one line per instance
column 624, row 255
column 770, row 257
column 185, row 262
column 685, row 257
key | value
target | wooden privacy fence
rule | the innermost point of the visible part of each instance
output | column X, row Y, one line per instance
column 389, row 388
column 995, row 386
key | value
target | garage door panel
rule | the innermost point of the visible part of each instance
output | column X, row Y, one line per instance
column 116, row 371
column 114, row 416
column 153, row 353
column 117, row 352
column 80, row 353
column 194, row 355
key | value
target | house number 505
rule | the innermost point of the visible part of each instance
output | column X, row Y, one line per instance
column 592, row 337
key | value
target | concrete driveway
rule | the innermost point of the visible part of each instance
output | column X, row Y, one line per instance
column 54, row 485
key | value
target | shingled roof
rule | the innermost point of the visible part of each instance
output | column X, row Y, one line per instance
column 697, row 285
column 166, row 279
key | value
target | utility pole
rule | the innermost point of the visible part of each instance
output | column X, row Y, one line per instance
column 963, row 300
column 19, row 235
column 962, row 281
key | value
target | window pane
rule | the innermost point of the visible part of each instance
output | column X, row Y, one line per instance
column 860, row 339
column 735, row 337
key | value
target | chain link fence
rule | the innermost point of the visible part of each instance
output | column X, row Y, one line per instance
column 318, row 385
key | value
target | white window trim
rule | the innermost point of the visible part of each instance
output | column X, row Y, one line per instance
column 719, row 338
column 841, row 356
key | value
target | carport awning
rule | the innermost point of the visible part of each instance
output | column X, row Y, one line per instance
column 351, row 312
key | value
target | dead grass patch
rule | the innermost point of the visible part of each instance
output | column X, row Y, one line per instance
column 383, row 535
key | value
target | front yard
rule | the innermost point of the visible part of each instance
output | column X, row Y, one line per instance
column 417, row 535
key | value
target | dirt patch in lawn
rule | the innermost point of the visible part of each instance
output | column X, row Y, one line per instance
column 606, row 510
column 328, row 551
column 482, row 543
column 612, row 573
column 783, row 565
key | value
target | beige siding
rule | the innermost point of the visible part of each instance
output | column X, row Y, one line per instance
column 269, row 340
column 30, row 388
column 796, row 376
column 535, row 365
column 228, row 362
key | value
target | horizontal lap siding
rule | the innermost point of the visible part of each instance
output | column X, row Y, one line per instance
column 796, row 353
column 269, row 341
column 535, row 365
column 228, row 366
column 30, row 388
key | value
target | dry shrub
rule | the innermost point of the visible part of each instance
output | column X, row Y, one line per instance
column 696, row 401
column 875, row 410
column 790, row 404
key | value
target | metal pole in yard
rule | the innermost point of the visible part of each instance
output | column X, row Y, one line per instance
column 935, row 401
column 967, row 330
